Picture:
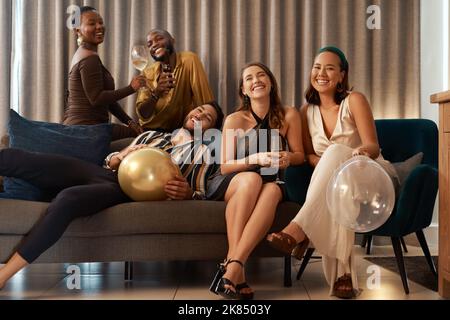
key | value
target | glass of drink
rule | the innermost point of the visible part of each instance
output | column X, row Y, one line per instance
column 139, row 57
column 277, row 148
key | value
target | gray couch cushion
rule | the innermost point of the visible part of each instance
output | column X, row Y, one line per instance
column 158, row 217
column 18, row 216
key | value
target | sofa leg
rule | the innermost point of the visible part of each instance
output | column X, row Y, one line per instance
column 287, row 271
column 128, row 274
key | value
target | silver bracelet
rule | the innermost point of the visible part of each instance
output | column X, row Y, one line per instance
column 108, row 160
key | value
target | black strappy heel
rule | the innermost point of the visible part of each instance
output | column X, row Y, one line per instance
column 244, row 296
column 227, row 293
column 219, row 274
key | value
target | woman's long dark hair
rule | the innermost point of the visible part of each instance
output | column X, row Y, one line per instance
column 276, row 110
column 311, row 94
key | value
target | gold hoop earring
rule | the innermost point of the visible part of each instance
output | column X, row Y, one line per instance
column 79, row 40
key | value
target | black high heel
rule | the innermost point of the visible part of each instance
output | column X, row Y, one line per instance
column 219, row 274
column 244, row 296
column 227, row 293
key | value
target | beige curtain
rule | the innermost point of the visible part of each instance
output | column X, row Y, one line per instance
column 5, row 61
column 284, row 34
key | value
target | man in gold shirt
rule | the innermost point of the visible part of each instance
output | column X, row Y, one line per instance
column 176, row 83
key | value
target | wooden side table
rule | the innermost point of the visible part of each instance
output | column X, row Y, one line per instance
column 443, row 99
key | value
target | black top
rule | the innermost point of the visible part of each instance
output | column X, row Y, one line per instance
column 92, row 94
column 249, row 144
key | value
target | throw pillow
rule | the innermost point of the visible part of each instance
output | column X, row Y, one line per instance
column 89, row 143
column 4, row 143
column 404, row 168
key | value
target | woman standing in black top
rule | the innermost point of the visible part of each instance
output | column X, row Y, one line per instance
column 92, row 95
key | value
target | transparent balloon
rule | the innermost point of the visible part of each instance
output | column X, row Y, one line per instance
column 360, row 195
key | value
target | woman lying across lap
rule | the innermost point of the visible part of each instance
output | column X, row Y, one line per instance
column 244, row 180
column 337, row 125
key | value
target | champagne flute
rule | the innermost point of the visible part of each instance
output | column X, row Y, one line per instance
column 278, row 148
column 139, row 57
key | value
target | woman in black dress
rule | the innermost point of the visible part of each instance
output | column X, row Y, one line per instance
column 250, row 171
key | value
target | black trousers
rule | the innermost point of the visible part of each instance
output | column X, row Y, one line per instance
column 79, row 188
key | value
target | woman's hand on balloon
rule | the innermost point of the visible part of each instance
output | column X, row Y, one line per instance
column 125, row 152
column 118, row 158
column 178, row 189
column 360, row 152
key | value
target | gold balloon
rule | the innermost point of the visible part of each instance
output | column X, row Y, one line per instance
column 144, row 173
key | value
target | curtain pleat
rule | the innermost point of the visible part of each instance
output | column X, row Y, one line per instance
column 226, row 34
column 5, row 61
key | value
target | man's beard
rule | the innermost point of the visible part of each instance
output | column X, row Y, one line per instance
column 185, row 127
column 169, row 50
column 192, row 130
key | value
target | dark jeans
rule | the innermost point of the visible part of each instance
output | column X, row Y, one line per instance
column 80, row 189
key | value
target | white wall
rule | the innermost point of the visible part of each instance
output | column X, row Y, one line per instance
column 433, row 47
column 434, row 60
